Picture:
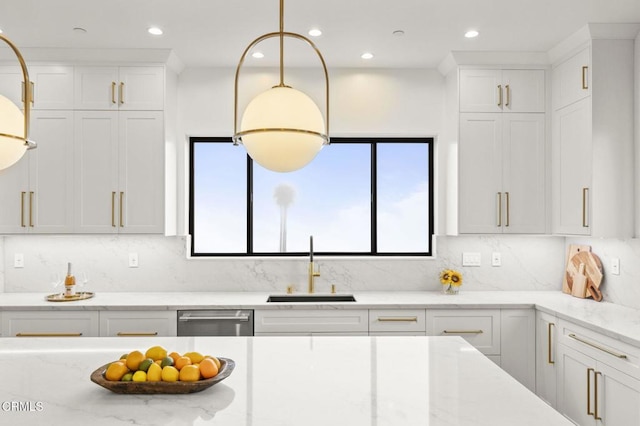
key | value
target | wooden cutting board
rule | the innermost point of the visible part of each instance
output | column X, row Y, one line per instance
column 573, row 250
column 592, row 270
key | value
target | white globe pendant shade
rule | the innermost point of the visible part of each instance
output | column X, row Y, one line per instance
column 11, row 123
column 285, row 128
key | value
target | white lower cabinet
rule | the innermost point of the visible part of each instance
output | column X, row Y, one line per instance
column 50, row 324
column 138, row 323
column 598, row 378
column 546, row 344
column 518, row 345
column 480, row 327
column 291, row 322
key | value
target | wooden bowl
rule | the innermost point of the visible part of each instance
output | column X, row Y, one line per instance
column 226, row 367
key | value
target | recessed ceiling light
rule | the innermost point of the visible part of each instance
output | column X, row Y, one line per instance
column 257, row 55
column 471, row 34
column 155, row 31
column 366, row 55
column 315, row 32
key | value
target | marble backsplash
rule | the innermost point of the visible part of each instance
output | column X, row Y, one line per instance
column 528, row 263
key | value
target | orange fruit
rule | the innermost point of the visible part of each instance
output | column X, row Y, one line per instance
column 170, row 374
column 182, row 362
column 174, row 356
column 208, row 368
column 189, row 373
column 116, row 370
column 216, row 360
column 134, row 359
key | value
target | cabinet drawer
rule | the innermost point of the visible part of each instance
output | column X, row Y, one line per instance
column 138, row 323
column 405, row 320
column 50, row 324
column 617, row 354
column 479, row 327
column 311, row 321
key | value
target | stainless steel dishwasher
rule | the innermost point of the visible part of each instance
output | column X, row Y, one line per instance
column 215, row 322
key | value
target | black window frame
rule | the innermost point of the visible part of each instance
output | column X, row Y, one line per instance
column 335, row 140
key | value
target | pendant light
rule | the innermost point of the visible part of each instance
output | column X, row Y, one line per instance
column 14, row 125
column 282, row 129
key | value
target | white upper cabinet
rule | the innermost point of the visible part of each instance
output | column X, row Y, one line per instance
column 571, row 79
column 119, row 88
column 53, row 86
column 491, row 90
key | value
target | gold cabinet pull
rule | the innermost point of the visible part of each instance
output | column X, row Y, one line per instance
column 136, row 334
column 589, row 370
column 121, row 215
column 499, row 208
column 506, row 195
column 508, row 89
column 595, row 395
column 48, row 334
column 121, row 92
column 398, row 319
column 463, row 331
column 113, row 92
column 585, row 78
column 585, row 195
column 113, row 209
column 549, row 360
column 499, row 95
column 601, row 348
column 22, row 194
column 31, row 209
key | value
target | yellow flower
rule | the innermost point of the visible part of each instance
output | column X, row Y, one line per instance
column 445, row 277
column 456, row 278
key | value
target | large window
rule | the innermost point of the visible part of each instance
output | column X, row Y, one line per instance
column 359, row 196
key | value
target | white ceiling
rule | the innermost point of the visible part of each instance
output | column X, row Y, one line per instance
column 215, row 32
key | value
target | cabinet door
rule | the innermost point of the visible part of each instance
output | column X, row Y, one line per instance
column 141, row 175
column 138, row 323
column 53, row 85
column 572, row 79
column 141, row 88
column 618, row 397
column 571, row 181
column 481, row 91
column 51, row 173
column 50, row 324
column 480, row 173
column 523, row 90
column 14, row 193
column 546, row 357
column 517, row 345
column 96, row 88
column 524, row 200
column 480, row 327
column 575, row 385
column 96, row 171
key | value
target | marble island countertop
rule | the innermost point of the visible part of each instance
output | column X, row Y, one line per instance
column 616, row 321
column 440, row 381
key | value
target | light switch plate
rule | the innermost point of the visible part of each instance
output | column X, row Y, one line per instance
column 18, row 260
column 133, row 260
column 496, row 259
column 471, row 259
column 615, row 266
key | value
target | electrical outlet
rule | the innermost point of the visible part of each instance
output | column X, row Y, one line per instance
column 133, row 260
column 496, row 259
column 471, row 259
column 18, row 260
column 615, row 266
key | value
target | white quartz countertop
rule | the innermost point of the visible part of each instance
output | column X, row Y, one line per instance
column 616, row 321
column 278, row 381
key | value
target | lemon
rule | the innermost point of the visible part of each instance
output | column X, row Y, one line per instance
column 154, row 374
column 156, row 353
column 170, row 374
column 139, row 376
column 189, row 373
column 144, row 365
column 195, row 357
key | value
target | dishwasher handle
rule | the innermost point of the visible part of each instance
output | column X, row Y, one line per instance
column 243, row 318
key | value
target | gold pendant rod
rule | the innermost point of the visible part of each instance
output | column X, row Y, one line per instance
column 27, row 90
column 281, row 43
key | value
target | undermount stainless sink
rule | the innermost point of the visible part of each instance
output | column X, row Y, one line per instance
column 310, row 298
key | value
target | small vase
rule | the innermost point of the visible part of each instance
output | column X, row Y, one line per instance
column 450, row 289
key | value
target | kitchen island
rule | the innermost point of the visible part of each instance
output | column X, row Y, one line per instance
column 395, row 381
